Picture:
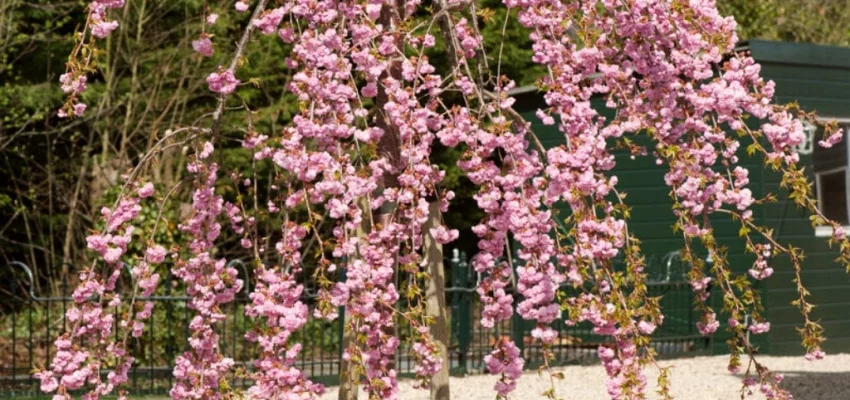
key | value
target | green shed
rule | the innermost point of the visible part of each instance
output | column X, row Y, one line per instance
column 818, row 79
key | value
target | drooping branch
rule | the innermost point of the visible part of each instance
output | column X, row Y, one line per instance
column 354, row 166
column 234, row 62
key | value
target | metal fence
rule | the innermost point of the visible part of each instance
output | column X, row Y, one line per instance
column 30, row 323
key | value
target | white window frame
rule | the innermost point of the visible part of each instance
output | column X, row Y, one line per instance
column 826, row 230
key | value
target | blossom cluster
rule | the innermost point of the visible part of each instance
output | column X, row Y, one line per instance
column 210, row 283
column 505, row 360
column 92, row 317
column 74, row 79
column 511, row 193
column 390, row 192
column 276, row 299
column 101, row 26
column 577, row 172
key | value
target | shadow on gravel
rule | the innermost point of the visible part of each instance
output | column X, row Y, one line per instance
column 813, row 385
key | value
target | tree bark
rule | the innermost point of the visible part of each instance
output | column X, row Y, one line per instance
column 435, row 301
column 348, row 384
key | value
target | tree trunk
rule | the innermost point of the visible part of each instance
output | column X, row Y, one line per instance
column 435, row 302
column 348, row 384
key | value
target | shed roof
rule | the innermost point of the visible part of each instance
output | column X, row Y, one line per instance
column 765, row 51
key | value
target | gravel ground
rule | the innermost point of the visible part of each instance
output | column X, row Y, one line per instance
column 698, row 378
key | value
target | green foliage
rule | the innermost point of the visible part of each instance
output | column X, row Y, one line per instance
column 154, row 224
column 25, row 103
column 515, row 46
column 34, row 43
column 809, row 21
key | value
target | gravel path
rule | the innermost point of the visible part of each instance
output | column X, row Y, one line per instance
column 698, row 378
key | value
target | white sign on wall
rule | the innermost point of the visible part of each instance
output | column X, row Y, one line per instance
column 808, row 144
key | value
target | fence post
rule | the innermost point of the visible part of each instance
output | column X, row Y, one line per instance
column 517, row 328
column 454, row 299
column 517, row 323
column 348, row 385
column 462, row 313
column 14, row 312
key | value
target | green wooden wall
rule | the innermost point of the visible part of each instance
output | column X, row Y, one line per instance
column 818, row 78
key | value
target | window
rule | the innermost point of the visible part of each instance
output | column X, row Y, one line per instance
column 830, row 167
column 832, row 194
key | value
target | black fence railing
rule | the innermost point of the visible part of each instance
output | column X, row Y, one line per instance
column 30, row 323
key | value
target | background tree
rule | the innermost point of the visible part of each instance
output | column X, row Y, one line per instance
column 807, row 21
column 57, row 173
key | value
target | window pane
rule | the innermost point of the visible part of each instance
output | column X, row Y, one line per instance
column 827, row 159
column 833, row 193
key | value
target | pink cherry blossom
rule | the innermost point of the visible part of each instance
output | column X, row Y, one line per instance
column 443, row 235
column 155, row 254
column 102, row 29
column 816, row 354
column 146, row 190
column 79, row 109
column 222, row 82
column 203, row 46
